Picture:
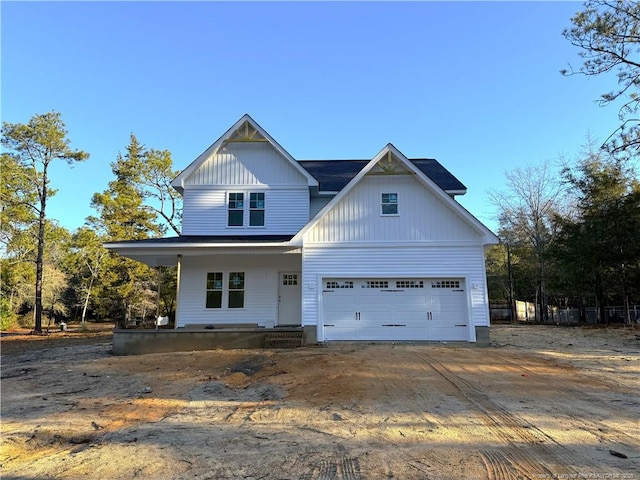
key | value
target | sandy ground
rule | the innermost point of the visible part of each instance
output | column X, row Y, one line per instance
column 541, row 402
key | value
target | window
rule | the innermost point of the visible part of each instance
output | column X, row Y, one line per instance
column 376, row 284
column 446, row 284
column 289, row 279
column 214, row 290
column 236, row 209
column 256, row 209
column 389, row 204
column 340, row 284
column 236, row 290
column 409, row 284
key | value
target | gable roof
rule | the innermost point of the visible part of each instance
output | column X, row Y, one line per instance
column 254, row 132
column 334, row 175
column 389, row 150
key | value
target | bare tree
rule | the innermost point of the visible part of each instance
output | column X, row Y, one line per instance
column 526, row 208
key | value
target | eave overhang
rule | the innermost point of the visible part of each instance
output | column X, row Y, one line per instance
column 166, row 251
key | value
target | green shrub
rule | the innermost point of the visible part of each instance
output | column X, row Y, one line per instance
column 8, row 318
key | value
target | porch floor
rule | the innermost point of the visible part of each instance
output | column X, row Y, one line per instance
column 142, row 341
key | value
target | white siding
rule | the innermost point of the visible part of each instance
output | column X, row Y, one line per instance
column 423, row 216
column 395, row 262
column 261, row 288
column 316, row 204
column 246, row 163
column 205, row 211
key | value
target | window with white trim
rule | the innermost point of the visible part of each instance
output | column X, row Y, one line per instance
column 389, row 204
column 236, row 290
column 256, row 209
column 339, row 284
column 235, row 208
column 214, row 290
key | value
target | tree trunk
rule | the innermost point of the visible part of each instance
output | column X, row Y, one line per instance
column 86, row 300
column 40, row 258
column 600, row 313
column 512, row 300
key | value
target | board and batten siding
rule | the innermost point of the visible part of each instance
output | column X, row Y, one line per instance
column 245, row 167
column 246, row 163
column 395, row 262
column 205, row 210
column 423, row 216
column 261, row 288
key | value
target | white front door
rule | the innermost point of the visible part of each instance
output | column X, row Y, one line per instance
column 289, row 299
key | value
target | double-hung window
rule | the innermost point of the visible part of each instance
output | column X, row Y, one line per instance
column 389, row 204
column 236, row 209
column 236, row 290
column 256, row 209
column 214, row 290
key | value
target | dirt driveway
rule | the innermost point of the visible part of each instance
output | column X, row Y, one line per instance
column 541, row 402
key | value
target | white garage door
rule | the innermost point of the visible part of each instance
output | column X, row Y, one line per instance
column 395, row 309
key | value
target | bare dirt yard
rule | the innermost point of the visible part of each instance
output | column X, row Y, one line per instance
column 541, row 402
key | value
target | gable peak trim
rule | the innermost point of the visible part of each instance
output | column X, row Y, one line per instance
column 245, row 127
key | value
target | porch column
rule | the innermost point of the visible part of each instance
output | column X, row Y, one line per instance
column 179, row 268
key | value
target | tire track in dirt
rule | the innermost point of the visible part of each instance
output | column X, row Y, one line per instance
column 584, row 418
column 346, row 468
column 526, row 454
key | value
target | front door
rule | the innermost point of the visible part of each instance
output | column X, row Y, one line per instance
column 289, row 299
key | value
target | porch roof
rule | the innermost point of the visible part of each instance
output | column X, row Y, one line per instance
column 203, row 240
column 164, row 251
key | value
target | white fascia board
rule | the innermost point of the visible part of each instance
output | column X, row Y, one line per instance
column 142, row 246
column 395, row 244
column 178, row 182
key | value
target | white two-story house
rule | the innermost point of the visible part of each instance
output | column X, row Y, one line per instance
column 373, row 249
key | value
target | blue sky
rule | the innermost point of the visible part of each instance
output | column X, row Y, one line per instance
column 474, row 84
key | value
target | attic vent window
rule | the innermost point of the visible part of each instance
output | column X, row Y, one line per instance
column 389, row 204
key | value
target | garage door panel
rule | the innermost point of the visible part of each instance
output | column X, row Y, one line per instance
column 392, row 333
column 395, row 309
column 340, row 333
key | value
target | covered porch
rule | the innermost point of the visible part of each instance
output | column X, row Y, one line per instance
column 228, row 282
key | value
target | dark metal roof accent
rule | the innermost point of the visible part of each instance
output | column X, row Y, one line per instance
column 333, row 175
column 212, row 239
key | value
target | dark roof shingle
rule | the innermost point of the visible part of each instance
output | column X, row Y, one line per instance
column 333, row 175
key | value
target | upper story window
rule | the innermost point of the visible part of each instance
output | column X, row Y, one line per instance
column 389, row 204
column 256, row 209
column 236, row 210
